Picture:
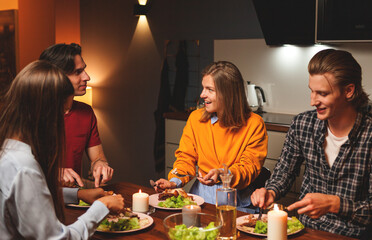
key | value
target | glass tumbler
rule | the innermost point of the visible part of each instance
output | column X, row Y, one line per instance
column 226, row 201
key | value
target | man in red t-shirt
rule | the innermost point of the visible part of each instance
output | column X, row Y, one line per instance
column 80, row 120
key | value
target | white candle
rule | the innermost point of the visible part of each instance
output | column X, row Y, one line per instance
column 189, row 215
column 277, row 224
column 140, row 202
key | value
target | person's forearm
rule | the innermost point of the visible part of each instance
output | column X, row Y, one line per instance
column 98, row 161
column 334, row 203
column 357, row 211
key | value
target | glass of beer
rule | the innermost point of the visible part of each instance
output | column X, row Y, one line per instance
column 226, row 200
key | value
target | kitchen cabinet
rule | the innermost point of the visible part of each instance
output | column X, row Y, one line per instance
column 274, row 148
column 173, row 133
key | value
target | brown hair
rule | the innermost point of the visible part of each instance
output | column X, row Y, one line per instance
column 230, row 93
column 344, row 68
column 62, row 55
column 33, row 111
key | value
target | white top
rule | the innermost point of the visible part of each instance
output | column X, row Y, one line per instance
column 26, row 205
column 332, row 146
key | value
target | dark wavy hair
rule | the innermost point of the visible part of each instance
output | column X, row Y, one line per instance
column 346, row 70
column 62, row 55
column 230, row 93
column 33, row 112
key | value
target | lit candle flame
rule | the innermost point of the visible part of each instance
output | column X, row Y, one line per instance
column 276, row 207
column 140, row 191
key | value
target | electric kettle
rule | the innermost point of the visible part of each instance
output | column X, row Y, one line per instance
column 253, row 100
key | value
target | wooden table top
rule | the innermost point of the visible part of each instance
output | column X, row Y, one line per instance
column 156, row 230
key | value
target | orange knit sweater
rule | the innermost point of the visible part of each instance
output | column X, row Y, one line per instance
column 208, row 146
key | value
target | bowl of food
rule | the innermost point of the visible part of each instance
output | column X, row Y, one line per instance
column 200, row 226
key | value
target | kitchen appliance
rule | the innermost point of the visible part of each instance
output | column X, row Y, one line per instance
column 254, row 101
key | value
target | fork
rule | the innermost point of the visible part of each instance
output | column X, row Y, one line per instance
column 259, row 214
column 182, row 175
column 185, row 175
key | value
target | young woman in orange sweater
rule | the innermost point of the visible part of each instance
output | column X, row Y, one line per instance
column 224, row 131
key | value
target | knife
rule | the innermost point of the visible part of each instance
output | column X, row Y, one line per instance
column 152, row 183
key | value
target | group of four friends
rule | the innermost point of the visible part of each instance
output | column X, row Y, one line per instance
column 44, row 133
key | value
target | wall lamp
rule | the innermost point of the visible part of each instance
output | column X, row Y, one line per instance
column 87, row 97
column 141, row 9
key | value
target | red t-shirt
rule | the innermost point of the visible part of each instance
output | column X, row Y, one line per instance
column 81, row 133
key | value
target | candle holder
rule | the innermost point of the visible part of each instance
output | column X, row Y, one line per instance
column 190, row 215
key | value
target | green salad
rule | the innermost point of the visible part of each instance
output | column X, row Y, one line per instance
column 119, row 224
column 176, row 202
column 293, row 225
column 82, row 203
column 261, row 227
column 181, row 232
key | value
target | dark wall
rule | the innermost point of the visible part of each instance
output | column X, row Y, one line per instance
column 203, row 20
column 124, row 58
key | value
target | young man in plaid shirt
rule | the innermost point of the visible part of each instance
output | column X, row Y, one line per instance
column 335, row 144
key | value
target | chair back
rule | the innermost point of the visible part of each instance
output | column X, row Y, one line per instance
column 259, row 182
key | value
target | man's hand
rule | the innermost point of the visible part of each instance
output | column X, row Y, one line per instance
column 163, row 184
column 69, row 177
column 210, row 178
column 316, row 205
column 99, row 166
column 102, row 173
column 262, row 198
column 90, row 195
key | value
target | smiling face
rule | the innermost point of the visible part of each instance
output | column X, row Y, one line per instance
column 327, row 97
column 209, row 94
column 79, row 77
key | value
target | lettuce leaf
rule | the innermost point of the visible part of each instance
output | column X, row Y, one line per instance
column 181, row 232
column 176, row 202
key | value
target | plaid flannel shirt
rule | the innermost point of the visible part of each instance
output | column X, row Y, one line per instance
column 349, row 178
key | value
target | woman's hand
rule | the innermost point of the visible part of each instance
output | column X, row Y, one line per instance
column 115, row 203
column 90, row 195
column 69, row 177
column 210, row 178
column 163, row 184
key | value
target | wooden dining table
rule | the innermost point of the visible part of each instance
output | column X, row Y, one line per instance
column 156, row 230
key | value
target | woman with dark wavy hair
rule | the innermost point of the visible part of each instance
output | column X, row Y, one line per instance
column 32, row 149
column 224, row 131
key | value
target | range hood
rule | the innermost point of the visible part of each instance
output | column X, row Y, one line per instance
column 344, row 21
column 287, row 21
column 305, row 22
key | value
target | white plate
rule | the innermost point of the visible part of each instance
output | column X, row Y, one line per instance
column 154, row 201
column 77, row 206
column 241, row 220
column 143, row 217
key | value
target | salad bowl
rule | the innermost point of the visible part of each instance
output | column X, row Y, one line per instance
column 205, row 227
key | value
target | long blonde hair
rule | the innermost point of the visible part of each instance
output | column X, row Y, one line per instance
column 33, row 111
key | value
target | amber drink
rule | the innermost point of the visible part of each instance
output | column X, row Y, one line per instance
column 226, row 199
